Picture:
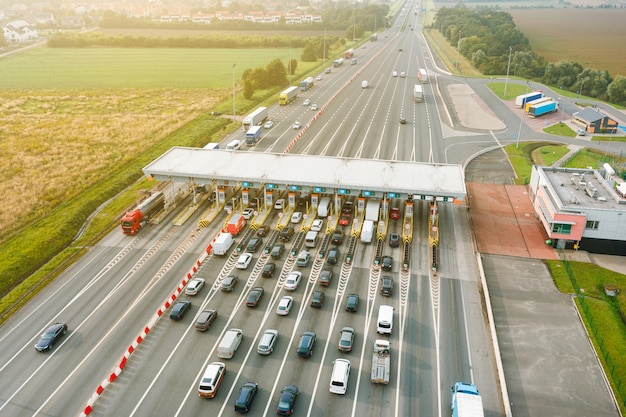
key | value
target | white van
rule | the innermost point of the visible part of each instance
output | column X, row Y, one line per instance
column 310, row 240
column 229, row 344
column 222, row 244
column 339, row 377
column 323, row 207
column 211, row 379
column 367, row 231
column 384, row 325
column 233, row 145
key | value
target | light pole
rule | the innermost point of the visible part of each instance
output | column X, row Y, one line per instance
column 353, row 26
column 324, row 59
column 521, row 121
column 458, row 44
column 234, row 108
column 514, row 70
column 582, row 81
column 560, row 104
column 508, row 67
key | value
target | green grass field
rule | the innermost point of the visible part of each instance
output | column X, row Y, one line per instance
column 117, row 68
column 592, row 37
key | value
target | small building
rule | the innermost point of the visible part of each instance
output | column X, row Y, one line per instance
column 19, row 31
column 580, row 208
column 593, row 121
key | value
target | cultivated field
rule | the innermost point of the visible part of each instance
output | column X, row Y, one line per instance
column 71, row 117
column 592, row 37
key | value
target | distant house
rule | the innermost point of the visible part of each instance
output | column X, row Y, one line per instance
column 593, row 121
column 72, row 22
column 19, row 31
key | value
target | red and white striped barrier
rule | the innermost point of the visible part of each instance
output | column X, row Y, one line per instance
column 141, row 337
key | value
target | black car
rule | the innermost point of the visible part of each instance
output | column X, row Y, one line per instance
column 394, row 240
column 228, row 284
column 277, row 251
column 254, row 296
column 317, row 300
column 333, row 256
column 50, row 336
column 179, row 309
column 386, row 263
column 245, row 397
column 286, row 234
column 262, row 231
column 288, row 397
column 386, row 285
column 268, row 270
column 205, row 319
column 254, row 244
column 337, row 237
column 307, row 341
column 326, row 277
column 352, row 302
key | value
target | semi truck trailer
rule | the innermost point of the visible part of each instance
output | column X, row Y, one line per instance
column 306, row 84
column 380, row 362
column 256, row 118
column 422, row 75
column 543, row 108
column 288, row 95
column 466, row 401
column 418, row 93
column 521, row 100
column 253, row 134
column 141, row 215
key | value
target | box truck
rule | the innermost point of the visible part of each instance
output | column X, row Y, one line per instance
column 466, row 401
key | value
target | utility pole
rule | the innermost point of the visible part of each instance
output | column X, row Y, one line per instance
column 234, row 108
column 507, row 71
column 521, row 122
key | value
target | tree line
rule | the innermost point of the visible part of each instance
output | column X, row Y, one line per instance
column 487, row 38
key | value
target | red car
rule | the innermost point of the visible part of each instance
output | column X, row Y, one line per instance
column 344, row 219
column 395, row 213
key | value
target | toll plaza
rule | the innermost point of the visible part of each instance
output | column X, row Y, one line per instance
column 263, row 181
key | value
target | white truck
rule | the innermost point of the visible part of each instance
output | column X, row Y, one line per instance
column 418, row 93
column 256, row 118
column 367, row 231
column 422, row 75
column 380, row 362
column 466, row 401
column 222, row 243
column 372, row 209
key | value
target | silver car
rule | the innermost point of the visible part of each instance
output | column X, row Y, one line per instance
column 267, row 342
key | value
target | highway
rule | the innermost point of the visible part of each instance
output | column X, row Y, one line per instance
column 108, row 297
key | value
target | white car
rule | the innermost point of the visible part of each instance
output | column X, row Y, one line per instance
column 297, row 125
column 296, row 217
column 248, row 213
column 268, row 124
column 244, row 260
column 394, row 74
column 402, row 75
column 314, row 107
column 284, row 305
column 280, row 204
column 319, row 78
column 293, row 280
column 194, row 286
column 306, row 102
column 317, row 225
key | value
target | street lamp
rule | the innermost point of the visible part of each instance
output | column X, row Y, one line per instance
column 234, row 108
column 458, row 44
column 507, row 71
column 560, row 104
column 582, row 81
column 521, row 121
